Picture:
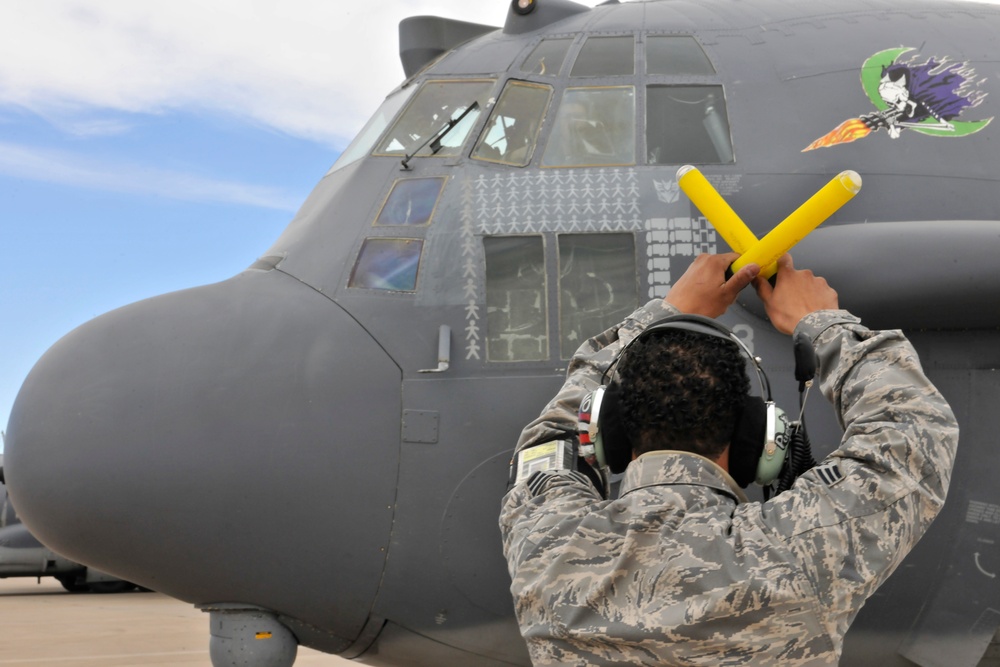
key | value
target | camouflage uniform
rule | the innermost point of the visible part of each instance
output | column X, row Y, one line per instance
column 680, row 570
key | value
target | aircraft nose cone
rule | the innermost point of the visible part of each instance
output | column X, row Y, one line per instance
column 231, row 443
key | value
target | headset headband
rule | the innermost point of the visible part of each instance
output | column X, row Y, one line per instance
column 701, row 325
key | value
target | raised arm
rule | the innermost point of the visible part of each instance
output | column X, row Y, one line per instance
column 852, row 519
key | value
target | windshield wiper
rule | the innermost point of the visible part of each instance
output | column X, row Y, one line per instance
column 435, row 139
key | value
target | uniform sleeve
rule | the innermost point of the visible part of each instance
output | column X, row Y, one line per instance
column 852, row 519
column 539, row 512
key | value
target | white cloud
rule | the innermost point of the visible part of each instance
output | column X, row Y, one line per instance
column 312, row 68
column 53, row 166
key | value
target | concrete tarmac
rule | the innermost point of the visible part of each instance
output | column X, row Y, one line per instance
column 41, row 625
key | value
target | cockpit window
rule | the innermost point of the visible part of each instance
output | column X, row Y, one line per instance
column 373, row 128
column 606, row 56
column 516, row 303
column 432, row 107
column 676, row 55
column 387, row 264
column 597, row 286
column 511, row 132
column 411, row 202
column 547, row 58
column 687, row 125
column 593, row 127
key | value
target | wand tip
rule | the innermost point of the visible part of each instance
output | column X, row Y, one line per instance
column 684, row 170
column 851, row 181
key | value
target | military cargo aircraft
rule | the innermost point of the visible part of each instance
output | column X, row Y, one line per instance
column 315, row 450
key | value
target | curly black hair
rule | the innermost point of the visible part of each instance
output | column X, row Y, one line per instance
column 682, row 390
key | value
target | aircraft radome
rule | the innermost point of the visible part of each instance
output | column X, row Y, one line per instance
column 321, row 442
column 22, row 555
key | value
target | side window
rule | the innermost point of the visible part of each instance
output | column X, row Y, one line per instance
column 512, row 130
column 597, row 285
column 593, row 127
column 432, row 107
column 687, row 125
column 547, row 58
column 387, row 264
column 516, row 304
column 373, row 128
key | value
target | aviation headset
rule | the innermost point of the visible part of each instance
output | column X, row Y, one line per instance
column 760, row 439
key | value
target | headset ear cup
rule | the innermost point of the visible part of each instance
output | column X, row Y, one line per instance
column 772, row 459
column 588, row 424
column 747, row 443
column 614, row 439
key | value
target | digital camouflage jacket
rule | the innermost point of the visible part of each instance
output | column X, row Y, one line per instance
column 679, row 571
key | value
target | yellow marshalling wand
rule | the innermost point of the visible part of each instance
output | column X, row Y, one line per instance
column 716, row 210
column 765, row 252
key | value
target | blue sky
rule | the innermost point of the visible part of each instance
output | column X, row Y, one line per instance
column 150, row 146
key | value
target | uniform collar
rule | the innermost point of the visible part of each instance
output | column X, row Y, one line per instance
column 669, row 467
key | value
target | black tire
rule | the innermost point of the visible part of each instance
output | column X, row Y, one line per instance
column 72, row 583
column 110, row 587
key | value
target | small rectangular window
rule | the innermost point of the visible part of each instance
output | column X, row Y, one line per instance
column 387, row 264
column 593, row 127
column 676, row 55
column 411, row 201
column 516, row 303
column 687, row 125
column 547, row 58
column 512, row 130
column 597, row 285
column 606, row 56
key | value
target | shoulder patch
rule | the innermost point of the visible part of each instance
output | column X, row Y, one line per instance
column 829, row 474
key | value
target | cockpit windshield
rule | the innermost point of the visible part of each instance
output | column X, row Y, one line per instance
column 687, row 125
column 547, row 58
column 432, row 107
column 512, row 129
column 605, row 56
column 676, row 55
column 593, row 127
column 373, row 128
column 683, row 121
